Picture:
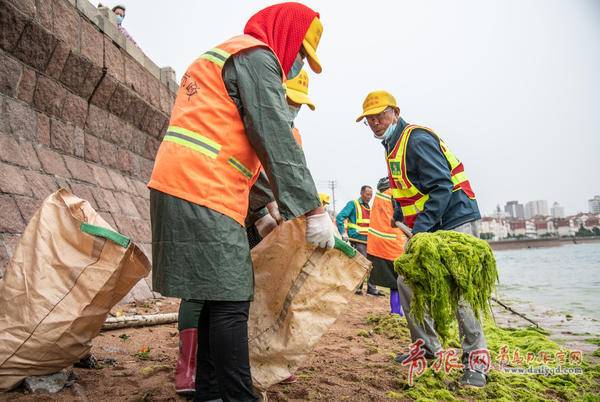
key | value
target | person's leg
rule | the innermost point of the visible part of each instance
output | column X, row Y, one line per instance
column 185, row 369
column 207, row 388
column 470, row 331
column 229, row 350
column 426, row 331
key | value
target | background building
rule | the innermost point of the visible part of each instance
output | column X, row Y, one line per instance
column 514, row 210
column 557, row 211
column 594, row 205
column 536, row 208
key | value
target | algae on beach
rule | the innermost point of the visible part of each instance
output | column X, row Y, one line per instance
column 444, row 269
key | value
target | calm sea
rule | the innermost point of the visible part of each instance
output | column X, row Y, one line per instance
column 564, row 279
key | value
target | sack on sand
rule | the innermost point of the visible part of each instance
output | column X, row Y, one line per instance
column 69, row 269
column 299, row 293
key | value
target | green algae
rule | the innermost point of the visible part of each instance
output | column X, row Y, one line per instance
column 389, row 325
column 444, row 269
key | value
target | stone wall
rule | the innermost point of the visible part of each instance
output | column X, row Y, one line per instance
column 81, row 107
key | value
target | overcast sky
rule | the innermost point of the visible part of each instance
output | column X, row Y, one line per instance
column 513, row 86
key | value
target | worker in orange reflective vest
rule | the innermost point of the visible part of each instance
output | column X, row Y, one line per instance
column 229, row 120
column 431, row 192
column 263, row 217
column 385, row 244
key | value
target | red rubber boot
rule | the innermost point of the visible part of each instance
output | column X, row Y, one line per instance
column 185, row 370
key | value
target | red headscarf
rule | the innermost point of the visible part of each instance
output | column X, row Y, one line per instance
column 282, row 27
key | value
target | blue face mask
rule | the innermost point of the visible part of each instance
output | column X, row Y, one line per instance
column 388, row 132
column 119, row 19
column 296, row 67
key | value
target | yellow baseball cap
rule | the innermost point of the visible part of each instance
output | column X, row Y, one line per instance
column 376, row 102
column 310, row 43
column 297, row 90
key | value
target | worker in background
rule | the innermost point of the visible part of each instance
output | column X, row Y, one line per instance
column 119, row 10
column 229, row 120
column 357, row 213
column 263, row 216
column 385, row 244
column 431, row 192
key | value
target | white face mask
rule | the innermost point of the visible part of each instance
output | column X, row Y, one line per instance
column 293, row 110
column 388, row 132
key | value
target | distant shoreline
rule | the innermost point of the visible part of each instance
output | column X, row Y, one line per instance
column 539, row 243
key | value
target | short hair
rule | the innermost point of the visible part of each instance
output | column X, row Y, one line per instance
column 363, row 188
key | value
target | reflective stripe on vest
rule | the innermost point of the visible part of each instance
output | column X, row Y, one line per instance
column 411, row 200
column 384, row 241
column 205, row 156
column 362, row 218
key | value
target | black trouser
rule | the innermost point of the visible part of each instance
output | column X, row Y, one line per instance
column 223, row 364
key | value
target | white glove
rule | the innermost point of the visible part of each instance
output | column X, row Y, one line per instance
column 345, row 237
column 319, row 230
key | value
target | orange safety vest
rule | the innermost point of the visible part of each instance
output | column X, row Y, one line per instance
column 411, row 200
column 297, row 136
column 363, row 219
column 205, row 157
column 383, row 240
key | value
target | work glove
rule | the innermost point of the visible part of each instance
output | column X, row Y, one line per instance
column 265, row 225
column 345, row 237
column 273, row 209
column 319, row 230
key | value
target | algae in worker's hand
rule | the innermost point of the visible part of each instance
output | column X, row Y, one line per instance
column 444, row 268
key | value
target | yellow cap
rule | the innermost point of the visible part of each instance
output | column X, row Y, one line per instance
column 376, row 102
column 324, row 197
column 297, row 90
column 310, row 43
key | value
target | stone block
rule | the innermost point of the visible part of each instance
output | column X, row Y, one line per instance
column 58, row 60
column 135, row 76
column 43, row 129
column 85, row 192
column 11, row 220
column 52, row 162
column 143, row 206
column 123, row 161
column 153, row 91
column 113, row 60
column 167, row 74
column 21, row 118
column 44, row 13
column 126, row 205
column 63, row 183
column 134, row 51
column 119, row 181
column 152, row 67
column 27, row 7
column 12, row 180
column 79, row 169
column 49, row 96
column 101, row 177
column 75, row 71
column 151, row 148
column 92, row 148
column 74, row 109
column 92, row 80
column 142, row 189
column 146, row 166
column 138, row 142
column 67, row 23
column 153, row 121
column 13, row 23
column 10, row 74
column 40, row 184
column 10, row 151
column 106, row 201
column 27, row 206
column 143, row 230
column 36, row 46
column 135, row 111
column 107, row 154
column 166, row 100
column 118, row 131
column 89, row 10
column 96, row 122
column 126, row 225
column 62, row 136
column 79, row 142
column 30, row 158
column 104, row 91
column 120, row 100
column 27, row 85
column 109, row 219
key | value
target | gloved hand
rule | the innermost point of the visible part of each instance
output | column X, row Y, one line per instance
column 345, row 236
column 265, row 225
column 273, row 209
column 319, row 230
